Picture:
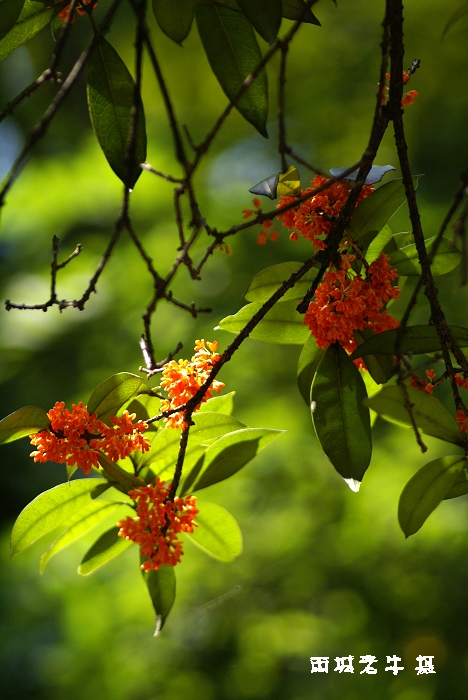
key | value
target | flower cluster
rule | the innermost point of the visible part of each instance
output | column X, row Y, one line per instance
column 344, row 303
column 408, row 98
column 315, row 217
column 266, row 226
column 63, row 14
column 182, row 379
column 76, row 438
column 424, row 384
column 157, row 523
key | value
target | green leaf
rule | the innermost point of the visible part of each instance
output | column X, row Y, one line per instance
column 112, row 393
column 416, row 340
column 111, row 95
column 341, row 420
column 406, row 262
column 375, row 211
column 107, row 547
column 282, row 324
column 25, row 421
column 230, row 453
column 268, row 281
column 380, row 367
column 219, row 404
column 10, row 10
column 459, row 486
column 78, row 525
column 309, row 360
column 218, row 534
column 429, row 414
column 233, row 53
column 33, row 17
column 289, row 182
column 144, row 407
column 175, row 17
column 458, row 19
column 52, row 509
column 378, row 244
column 296, row 9
column 425, row 490
column 264, row 15
column 161, row 587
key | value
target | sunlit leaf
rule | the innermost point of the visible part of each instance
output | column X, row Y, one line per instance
column 111, row 96
column 112, row 393
column 33, row 17
column 51, row 509
column 25, row 421
column 218, row 533
column 10, row 10
column 296, row 9
column 264, row 15
column 219, row 404
column 416, row 340
column 283, row 324
column 232, row 50
column 426, row 489
column 161, row 587
column 406, row 262
column 340, row 418
column 429, row 414
column 289, row 183
column 374, row 175
column 107, row 547
column 175, row 17
column 309, row 360
column 268, row 281
column 378, row 244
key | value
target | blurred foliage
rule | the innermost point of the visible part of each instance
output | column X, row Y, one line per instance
column 324, row 571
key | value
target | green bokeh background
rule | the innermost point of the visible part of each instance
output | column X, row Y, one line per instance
column 325, row 572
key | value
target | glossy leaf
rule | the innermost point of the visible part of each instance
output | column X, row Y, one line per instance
column 79, row 524
column 375, row 174
column 340, row 418
column 144, row 406
column 25, row 421
column 111, row 394
column 232, row 50
column 269, row 280
column 296, row 9
column 282, row 324
column 230, row 453
column 264, row 15
column 267, row 187
column 380, row 367
column 219, row 404
column 289, row 183
column 459, row 486
column 111, row 95
column 52, row 509
column 161, row 587
column 107, row 547
column 406, row 262
column 175, row 17
column 34, row 16
column 218, row 534
column 416, row 340
column 309, row 360
column 378, row 244
column 425, row 490
column 10, row 10
column 429, row 414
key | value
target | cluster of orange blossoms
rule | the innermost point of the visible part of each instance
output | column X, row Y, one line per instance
column 344, row 303
column 429, row 385
column 267, row 226
column 63, row 14
column 75, row 438
column 315, row 217
column 182, row 379
column 407, row 99
column 157, row 523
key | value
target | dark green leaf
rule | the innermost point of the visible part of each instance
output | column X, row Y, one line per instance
column 458, row 19
column 112, row 393
column 161, row 587
column 230, row 453
column 264, row 15
column 218, row 534
column 406, row 262
column 107, row 547
column 340, row 418
column 381, row 367
column 219, row 404
column 374, row 175
column 309, row 360
column 51, row 509
column 270, row 280
column 111, row 96
column 10, row 10
column 416, row 340
column 282, row 324
column 459, row 486
column 175, row 17
column 429, row 414
column 425, row 490
column 233, row 53
column 25, row 421
column 33, row 17
column 296, row 9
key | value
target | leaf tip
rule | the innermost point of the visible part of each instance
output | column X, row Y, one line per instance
column 353, row 484
column 159, row 625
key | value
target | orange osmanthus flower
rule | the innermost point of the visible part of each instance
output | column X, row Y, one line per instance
column 76, row 438
column 462, row 420
column 181, row 380
column 314, row 218
column 63, row 14
column 157, row 524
